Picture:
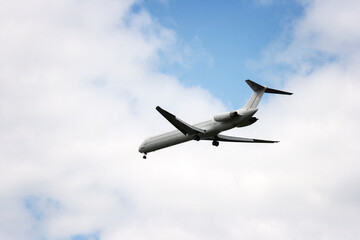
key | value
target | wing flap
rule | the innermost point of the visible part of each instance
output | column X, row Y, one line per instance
column 182, row 126
column 225, row 138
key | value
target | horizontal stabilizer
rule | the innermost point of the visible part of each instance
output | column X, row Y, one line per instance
column 270, row 90
column 182, row 126
column 225, row 138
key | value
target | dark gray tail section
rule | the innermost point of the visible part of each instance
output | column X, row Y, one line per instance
column 259, row 91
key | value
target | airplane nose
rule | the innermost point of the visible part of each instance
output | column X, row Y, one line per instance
column 141, row 148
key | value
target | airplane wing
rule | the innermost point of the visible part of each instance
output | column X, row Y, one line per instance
column 224, row 138
column 182, row 126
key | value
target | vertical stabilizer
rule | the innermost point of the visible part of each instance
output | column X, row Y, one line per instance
column 256, row 96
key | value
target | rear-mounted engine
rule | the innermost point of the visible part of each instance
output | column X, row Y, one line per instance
column 223, row 117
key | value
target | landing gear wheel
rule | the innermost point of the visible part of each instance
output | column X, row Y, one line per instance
column 144, row 157
column 215, row 143
column 197, row 137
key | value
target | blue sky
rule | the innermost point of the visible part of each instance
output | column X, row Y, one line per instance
column 225, row 36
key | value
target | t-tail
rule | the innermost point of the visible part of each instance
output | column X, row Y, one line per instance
column 259, row 92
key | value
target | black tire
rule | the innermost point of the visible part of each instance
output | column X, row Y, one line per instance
column 197, row 138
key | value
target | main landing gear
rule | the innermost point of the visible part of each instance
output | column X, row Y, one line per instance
column 215, row 143
column 197, row 137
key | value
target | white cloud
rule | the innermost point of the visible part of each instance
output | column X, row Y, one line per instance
column 334, row 30
column 79, row 83
column 318, row 156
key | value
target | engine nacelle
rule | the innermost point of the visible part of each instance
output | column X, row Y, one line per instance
column 223, row 117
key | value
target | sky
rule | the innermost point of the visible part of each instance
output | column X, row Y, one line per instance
column 79, row 83
column 222, row 40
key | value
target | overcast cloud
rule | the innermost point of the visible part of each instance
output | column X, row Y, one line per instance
column 79, row 81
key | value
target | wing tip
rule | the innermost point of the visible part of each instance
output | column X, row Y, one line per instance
column 265, row 141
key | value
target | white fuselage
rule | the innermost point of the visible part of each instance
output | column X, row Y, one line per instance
column 211, row 127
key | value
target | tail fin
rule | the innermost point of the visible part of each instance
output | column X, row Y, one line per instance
column 259, row 90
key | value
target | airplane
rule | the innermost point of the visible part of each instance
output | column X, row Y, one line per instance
column 211, row 129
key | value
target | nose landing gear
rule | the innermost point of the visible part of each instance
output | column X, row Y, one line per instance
column 144, row 157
